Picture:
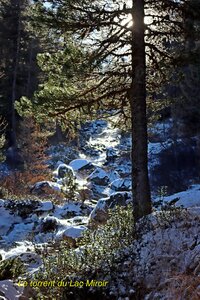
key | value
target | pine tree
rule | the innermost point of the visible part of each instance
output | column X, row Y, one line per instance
column 127, row 58
column 17, row 61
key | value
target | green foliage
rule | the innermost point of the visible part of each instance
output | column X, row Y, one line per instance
column 98, row 251
column 69, row 187
column 170, row 215
column 11, row 268
column 14, row 36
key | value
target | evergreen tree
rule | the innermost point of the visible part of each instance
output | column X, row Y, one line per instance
column 17, row 61
column 129, row 47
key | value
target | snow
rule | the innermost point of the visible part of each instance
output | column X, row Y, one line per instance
column 78, row 164
column 154, row 149
column 62, row 210
column 162, row 128
column 171, row 242
column 166, row 243
column 20, row 248
column 6, row 219
column 78, row 220
column 19, row 232
column 188, row 198
column 45, row 206
column 31, row 260
column 74, row 231
column 113, row 175
column 121, row 183
column 100, row 173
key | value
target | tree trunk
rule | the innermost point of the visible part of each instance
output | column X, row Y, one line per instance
column 15, row 69
column 140, row 179
column 28, row 94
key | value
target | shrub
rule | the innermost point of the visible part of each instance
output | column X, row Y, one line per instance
column 185, row 287
column 11, row 268
column 32, row 142
column 97, row 253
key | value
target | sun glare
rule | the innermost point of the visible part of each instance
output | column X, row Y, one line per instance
column 128, row 21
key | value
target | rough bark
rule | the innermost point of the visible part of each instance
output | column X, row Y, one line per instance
column 141, row 188
column 14, row 82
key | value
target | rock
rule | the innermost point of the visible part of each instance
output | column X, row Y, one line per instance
column 73, row 233
column 45, row 206
column 85, row 193
column 113, row 175
column 121, row 184
column 99, row 215
column 21, row 208
column 80, row 164
column 28, row 293
column 69, row 209
column 7, row 218
column 19, row 232
column 31, row 260
column 63, row 171
column 119, row 198
column 111, row 154
column 99, row 177
column 49, row 224
column 9, row 290
column 45, row 188
column 78, row 220
column 65, row 177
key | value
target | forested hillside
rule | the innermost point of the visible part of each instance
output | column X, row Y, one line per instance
column 99, row 149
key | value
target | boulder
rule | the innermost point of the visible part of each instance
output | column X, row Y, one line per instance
column 9, row 290
column 63, row 171
column 99, row 215
column 45, row 188
column 80, row 164
column 49, row 224
column 99, row 177
column 73, row 233
column 84, row 193
column 113, row 175
column 121, row 184
column 111, row 154
column 45, row 206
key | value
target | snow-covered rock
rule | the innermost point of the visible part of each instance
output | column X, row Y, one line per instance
column 19, row 232
column 121, row 184
column 99, row 177
column 69, row 209
column 49, row 223
column 64, row 170
column 9, row 290
column 45, row 206
column 186, row 199
column 170, row 248
column 80, row 164
column 111, row 154
column 71, row 234
column 113, row 175
column 7, row 219
column 100, row 213
column 45, row 188
column 78, row 220
column 74, row 231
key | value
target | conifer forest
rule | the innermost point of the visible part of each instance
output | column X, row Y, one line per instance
column 100, row 150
